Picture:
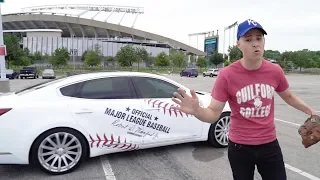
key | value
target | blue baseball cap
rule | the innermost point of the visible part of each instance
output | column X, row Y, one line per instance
column 247, row 25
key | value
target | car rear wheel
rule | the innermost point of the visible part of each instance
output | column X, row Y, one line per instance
column 59, row 151
column 219, row 131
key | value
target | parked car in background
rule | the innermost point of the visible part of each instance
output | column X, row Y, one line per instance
column 189, row 72
column 211, row 72
column 28, row 71
column 11, row 74
column 48, row 74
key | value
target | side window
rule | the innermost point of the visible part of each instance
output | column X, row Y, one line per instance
column 106, row 88
column 69, row 90
column 154, row 88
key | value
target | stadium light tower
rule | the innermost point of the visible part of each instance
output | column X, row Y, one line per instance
column 199, row 34
column 234, row 25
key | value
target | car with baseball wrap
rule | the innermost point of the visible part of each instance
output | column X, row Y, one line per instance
column 58, row 124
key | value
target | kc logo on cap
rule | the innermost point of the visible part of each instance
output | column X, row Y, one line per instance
column 250, row 21
column 247, row 25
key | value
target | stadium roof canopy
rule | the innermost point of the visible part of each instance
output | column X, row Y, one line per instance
column 82, row 27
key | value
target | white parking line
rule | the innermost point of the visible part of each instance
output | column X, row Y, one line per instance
column 107, row 168
column 295, row 124
column 307, row 175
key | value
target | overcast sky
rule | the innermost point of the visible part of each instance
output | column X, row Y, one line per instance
column 291, row 25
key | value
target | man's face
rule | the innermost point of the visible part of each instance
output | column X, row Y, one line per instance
column 252, row 44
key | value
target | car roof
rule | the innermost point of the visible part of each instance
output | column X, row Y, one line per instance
column 95, row 75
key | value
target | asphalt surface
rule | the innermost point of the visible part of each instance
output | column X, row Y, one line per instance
column 195, row 160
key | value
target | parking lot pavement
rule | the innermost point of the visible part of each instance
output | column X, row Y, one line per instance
column 197, row 160
column 18, row 84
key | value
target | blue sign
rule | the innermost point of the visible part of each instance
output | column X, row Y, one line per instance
column 210, row 45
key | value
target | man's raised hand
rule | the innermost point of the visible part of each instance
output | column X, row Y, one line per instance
column 187, row 104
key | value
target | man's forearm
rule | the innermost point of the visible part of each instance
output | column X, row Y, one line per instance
column 207, row 115
column 298, row 103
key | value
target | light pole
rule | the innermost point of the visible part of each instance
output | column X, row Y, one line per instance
column 74, row 63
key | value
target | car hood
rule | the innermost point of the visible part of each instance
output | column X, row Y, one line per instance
column 205, row 99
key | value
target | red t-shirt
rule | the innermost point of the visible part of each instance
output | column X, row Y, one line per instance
column 250, row 94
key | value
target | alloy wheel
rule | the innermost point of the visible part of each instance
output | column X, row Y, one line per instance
column 59, row 152
column 222, row 130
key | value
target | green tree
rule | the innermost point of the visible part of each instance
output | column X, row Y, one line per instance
column 83, row 55
column 201, row 62
column 127, row 56
column 36, row 57
column 177, row 58
column 142, row 55
column 271, row 54
column 234, row 53
column 60, row 57
column 227, row 63
column 110, row 59
column 14, row 51
column 150, row 60
column 216, row 58
column 162, row 60
column 92, row 58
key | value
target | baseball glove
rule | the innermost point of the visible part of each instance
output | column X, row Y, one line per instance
column 310, row 131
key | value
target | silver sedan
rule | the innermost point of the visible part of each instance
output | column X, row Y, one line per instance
column 48, row 74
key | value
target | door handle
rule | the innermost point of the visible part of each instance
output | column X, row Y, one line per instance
column 84, row 111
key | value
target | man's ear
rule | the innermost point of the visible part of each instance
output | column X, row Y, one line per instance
column 238, row 44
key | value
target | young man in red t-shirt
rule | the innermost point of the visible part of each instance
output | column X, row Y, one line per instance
column 248, row 85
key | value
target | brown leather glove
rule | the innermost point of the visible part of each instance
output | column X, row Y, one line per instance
column 310, row 131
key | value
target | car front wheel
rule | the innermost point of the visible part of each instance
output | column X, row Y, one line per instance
column 219, row 131
column 59, row 151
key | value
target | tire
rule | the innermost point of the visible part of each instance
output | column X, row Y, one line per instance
column 213, row 134
column 79, row 153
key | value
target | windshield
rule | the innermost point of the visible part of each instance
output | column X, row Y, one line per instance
column 40, row 85
column 28, row 68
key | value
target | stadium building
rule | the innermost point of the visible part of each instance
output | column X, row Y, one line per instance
column 43, row 29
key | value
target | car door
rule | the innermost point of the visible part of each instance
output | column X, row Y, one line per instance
column 164, row 124
column 107, row 109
